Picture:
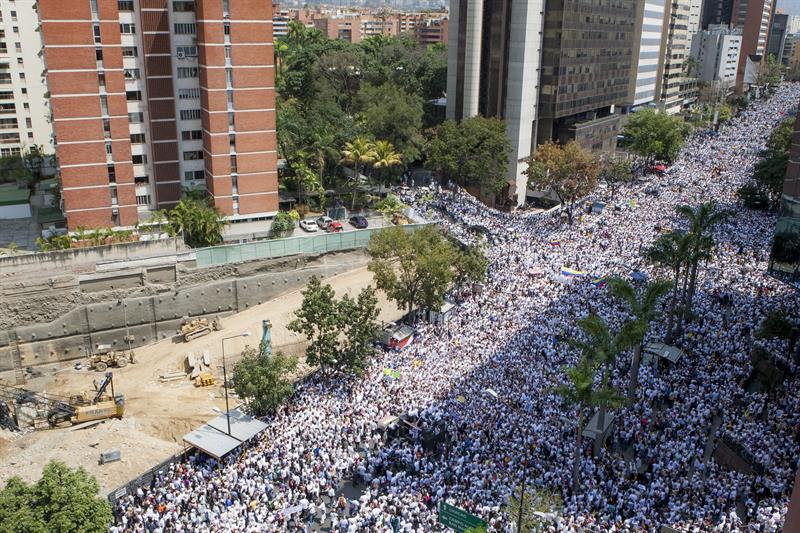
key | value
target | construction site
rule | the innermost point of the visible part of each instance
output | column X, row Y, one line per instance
column 109, row 374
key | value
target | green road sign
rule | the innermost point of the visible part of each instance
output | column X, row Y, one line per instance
column 458, row 519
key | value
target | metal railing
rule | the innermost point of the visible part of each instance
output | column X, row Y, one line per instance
column 271, row 249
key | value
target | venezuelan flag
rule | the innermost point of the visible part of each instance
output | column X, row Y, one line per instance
column 599, row 281
column 571, row 272
column 554, row 243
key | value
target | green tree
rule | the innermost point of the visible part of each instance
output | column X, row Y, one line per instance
column 579, row 392
column 318, row 320
column 655, row 136
column 603, row 349
column 386, row 161
column 264, row 382
column 63, row 500
column 359, row 328
column 670, row 251
column 471, row 265
column 199, row 222
column 644, row 311
column 413, row 268
column 357, row 153
column 615, row 172
column 771, row 72
column 567, row 170
column 471, row 153
column 388, row 112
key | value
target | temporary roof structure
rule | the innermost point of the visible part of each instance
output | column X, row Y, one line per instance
column 213, row 439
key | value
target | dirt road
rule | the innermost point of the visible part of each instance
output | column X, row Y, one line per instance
column 157, row 414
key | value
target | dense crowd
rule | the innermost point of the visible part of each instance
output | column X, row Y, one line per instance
column 472, row 449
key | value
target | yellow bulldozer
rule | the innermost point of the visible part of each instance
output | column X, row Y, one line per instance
column 197, row 327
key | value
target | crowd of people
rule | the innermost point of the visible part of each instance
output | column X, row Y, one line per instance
column 471, row 448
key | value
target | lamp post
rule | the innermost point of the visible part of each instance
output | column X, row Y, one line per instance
column 493, row 394
column 225, row 377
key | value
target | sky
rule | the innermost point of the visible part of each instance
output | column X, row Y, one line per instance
column 790, row 6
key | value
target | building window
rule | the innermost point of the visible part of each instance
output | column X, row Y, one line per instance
column 192, row 135
column 125, row 5
column 8, row 124
column 131, row 74
column 192, row 155
column 106, row 128
column 104, row 105
column 96, row 30
column 22, row 76
column 141, row 180
column 188, row 72
column 193, row 175
column 187, row 51
column 112, row 174
column 133, row 96
column 101, row 79
column 139, row 159
column 6, row 95
column 185, row 28
column 109, row 149
column 8, row 138
column 127, row 28
column 183, row 6
column 226, row 28
column 5, row 78
column 8, row 152
column 233, row 163
column 188, row 94
column 18, row 47
column 114, row 199
column 190, row 114
column 129, row 51
column 98, row 54
column 136, row 118
column 143, row 199
column 28, row 123
column 13, row 15
column 137, row 138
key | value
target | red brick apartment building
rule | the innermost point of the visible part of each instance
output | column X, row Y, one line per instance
column 152, row 96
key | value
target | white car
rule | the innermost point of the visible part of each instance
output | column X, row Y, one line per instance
column 308, row 225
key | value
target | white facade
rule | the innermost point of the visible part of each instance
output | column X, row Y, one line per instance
column 717, row 52
column 521, row 82
column 763, row 32
column 649, row 51
column 695, row 11
column 793, row 24
column 24, row 105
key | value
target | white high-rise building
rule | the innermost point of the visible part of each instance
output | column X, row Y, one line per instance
column 24, row 105
column 647, row 47
column 717, row 52
column 695, row 12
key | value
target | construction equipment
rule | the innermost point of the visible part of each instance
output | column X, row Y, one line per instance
column 104, row 357
column 197, row 327
column 204, row 379
column 25, row 408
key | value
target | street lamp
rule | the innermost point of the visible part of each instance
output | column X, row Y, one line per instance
column 496, row 397
column 246, row 333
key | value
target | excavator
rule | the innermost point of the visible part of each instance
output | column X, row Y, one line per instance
column 98, row 404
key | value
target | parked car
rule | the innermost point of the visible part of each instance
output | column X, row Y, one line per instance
column 335, row 227
column 358, row 221
column 308, row 225
column 324, row 222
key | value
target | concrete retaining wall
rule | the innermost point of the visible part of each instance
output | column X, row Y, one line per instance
column 153, row 318
column 85, row 259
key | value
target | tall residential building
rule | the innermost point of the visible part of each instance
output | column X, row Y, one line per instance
column 777, row 36
column 717, row 52
column 674, row 50
column 493, row 65
column 152, row 96
column 694, row 23
column 587, row 63
column 789, row 49
column 793, row 24
column 24, row 107
column 716, row 12
column 647, row 48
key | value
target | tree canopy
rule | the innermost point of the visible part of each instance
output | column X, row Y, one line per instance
column 63, row 500
column 655, row 136
column 472, row 153
column 198, row 221
column 567, row 170
column 263, row 382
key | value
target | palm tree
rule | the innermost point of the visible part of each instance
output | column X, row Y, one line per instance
column 579, row 392
column 644, row 311
column 385, row 156
column 702, row 220
column 323, row 148
column 602, row 349
column 359, row 152
column 670, row 251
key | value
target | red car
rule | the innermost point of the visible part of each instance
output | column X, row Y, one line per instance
column 335, row 227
